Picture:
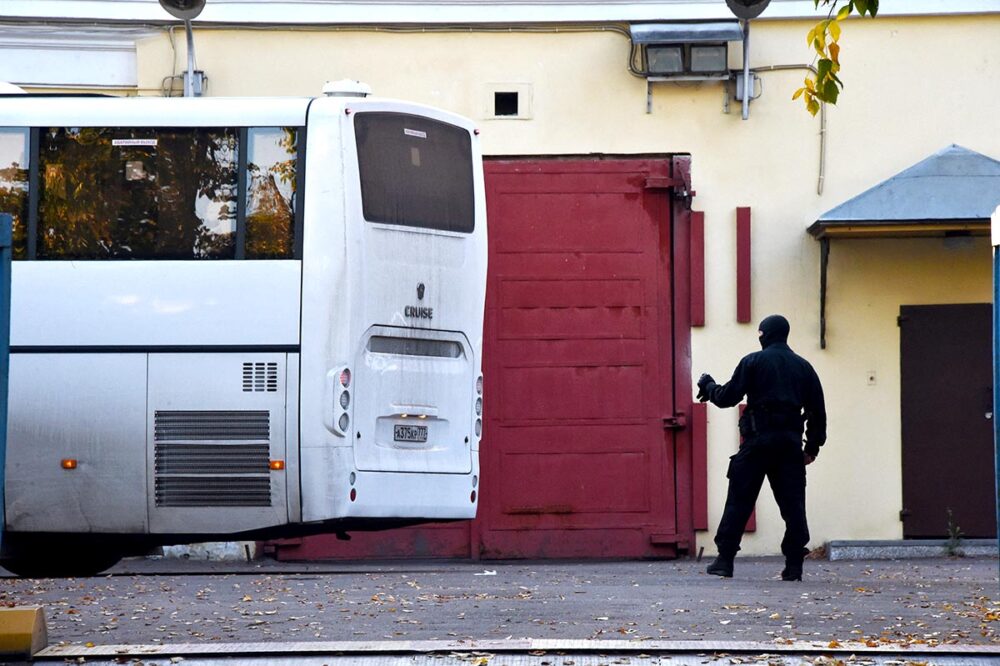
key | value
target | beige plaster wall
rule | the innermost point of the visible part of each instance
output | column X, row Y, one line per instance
column 913, row 86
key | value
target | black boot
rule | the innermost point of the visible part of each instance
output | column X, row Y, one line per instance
column 792, row 571
column 722, row 566
column 793, row 567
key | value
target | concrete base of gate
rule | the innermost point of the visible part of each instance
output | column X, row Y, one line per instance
column 219, row 551
column 22, row 631
column 910, row 548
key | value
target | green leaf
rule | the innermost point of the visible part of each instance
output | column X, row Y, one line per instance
column 861, row 6
column 823, row 70
column 844, row 11
column 873, row 7
column 812, row 106
column 830, row 92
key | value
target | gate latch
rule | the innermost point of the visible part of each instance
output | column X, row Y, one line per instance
column 674, row 422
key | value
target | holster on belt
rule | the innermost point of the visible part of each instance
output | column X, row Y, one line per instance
column 762, row 421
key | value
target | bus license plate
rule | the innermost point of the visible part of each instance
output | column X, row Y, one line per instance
column 409, row 433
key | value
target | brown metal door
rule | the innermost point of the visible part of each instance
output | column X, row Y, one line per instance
column 947, row 427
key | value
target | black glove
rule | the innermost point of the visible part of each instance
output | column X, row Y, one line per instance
column 705, row 386
column 811, row 451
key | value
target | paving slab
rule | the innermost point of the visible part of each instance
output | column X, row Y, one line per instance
column 896, row 603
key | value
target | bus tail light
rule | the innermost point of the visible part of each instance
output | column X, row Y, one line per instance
column 68, row 463
column 338, row 401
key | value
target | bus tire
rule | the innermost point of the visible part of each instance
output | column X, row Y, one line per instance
column 67, row 562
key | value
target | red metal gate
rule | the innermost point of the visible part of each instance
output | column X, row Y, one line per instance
column 585, row 327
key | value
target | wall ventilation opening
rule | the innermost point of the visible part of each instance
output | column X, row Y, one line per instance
column 260, row 377
column 505, row 103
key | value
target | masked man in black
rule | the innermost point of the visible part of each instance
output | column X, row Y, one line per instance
column 784, row 397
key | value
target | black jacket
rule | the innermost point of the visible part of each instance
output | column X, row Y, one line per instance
column 776, row 380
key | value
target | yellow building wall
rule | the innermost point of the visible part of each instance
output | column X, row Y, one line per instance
column 913, row 86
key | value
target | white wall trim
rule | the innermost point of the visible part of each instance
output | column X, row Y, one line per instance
column 306, row 12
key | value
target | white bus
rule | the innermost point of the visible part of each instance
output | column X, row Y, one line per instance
column 252, row 317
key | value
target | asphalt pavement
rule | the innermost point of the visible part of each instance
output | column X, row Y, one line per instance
column 932, row 602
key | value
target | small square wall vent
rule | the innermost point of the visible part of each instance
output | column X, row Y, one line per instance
column 507, row 101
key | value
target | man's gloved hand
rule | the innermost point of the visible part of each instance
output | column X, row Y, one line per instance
column 809, row 454
column 705, row 386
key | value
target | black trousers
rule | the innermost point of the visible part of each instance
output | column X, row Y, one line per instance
column 779, row 458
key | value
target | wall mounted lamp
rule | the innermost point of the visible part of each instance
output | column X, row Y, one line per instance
column 678, row 52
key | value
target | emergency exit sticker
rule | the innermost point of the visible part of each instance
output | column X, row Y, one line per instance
column 417, row 133
column 133, row 142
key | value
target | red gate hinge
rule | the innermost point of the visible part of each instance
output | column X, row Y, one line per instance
column 674, row 422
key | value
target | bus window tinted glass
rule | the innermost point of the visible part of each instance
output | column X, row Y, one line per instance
column 137, row 193
column 415, row 171
column 271, row 193
column 14, row 184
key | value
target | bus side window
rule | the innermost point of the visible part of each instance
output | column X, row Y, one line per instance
column 14, row 184
column 137, row 193
column 270, row 204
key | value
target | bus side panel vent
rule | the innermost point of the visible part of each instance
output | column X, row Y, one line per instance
column 260, row 377
column 212, row 458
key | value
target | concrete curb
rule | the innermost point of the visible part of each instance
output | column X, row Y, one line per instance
column 345, row 648
column 908, row 549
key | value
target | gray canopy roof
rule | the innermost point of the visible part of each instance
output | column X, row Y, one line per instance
column 955, row 189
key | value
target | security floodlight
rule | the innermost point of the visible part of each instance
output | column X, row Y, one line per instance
column 183, row 9
column 744, row 9
column 187, row 10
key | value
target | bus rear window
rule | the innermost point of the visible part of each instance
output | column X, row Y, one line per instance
column 415, row 171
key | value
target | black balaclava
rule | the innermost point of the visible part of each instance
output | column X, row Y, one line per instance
column 773, row 330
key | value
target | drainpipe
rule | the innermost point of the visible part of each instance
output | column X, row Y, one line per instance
column 822, row 118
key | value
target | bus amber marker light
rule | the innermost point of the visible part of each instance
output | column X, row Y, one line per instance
column 68, row 463
column 277, row 465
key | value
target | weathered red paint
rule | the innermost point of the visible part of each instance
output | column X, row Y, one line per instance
column 579, row 361
column 697, row 268
column 743, row 265
column 586, row 352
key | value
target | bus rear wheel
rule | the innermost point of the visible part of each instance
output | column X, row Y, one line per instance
column 57, row 560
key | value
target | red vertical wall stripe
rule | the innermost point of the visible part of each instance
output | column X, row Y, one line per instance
column 699, row 464
column 697, row 259
column 743, row 265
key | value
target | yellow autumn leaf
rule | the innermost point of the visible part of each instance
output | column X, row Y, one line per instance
column 835, row 30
